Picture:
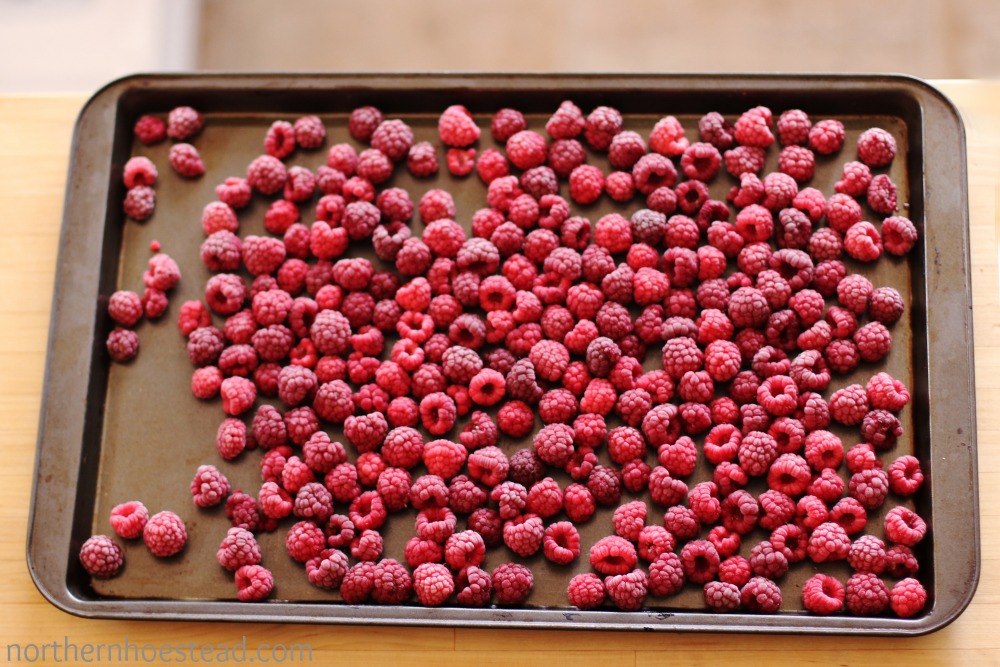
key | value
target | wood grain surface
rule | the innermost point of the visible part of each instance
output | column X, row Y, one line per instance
column 35, row 138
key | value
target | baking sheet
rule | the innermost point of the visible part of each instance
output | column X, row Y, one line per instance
column 134, row 431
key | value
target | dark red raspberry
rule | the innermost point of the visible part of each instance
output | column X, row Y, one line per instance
column 566, row 123
column 394, row 138
column 716, row 130
column 150, row 130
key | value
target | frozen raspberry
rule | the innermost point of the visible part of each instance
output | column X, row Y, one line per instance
column 653, row 171
column 855, row 179
column 253, row 583
column 164, row 534
column 506, row 123
column 125, row 308
column 186, row 160
column 904, row 526
column 139, row 171
column 129, row 519
column 394, row 138
column 667, row 137
column 237, row 549
column 867, row 554
column 899, row 235
column 122, row 344
column 905, row 475
column 828, row 542
column 101, row 557
column 457, row 128
column 823, row 595
column 184, row 123
column 279, row 141
column 238, row 395
column 867, row 595
column 753, row 128
column 150, row 130
column 362, row 123
column 209, row 486
column 744, row 160
column 566, row 123
column 586, row 183
column 437, row 413
column 627, row 591
column 139, row 202
column 234, row 192
column 267, row 174
column 884, row 392
column 358, row 583
column 524, row 534
column 881, row 195
column 613, row 555
column 761, row 595
column 512, row 584
column 863, row 242
column 328, row 569
column 716, row 130
column 392, row 582
column 793, row 127
column 666, row 574
column 907, row 597
column 876, row 147
column 797, row 162
column 586, row 591
column 826, row 137
column 527, row 149
column 869, row 487
column 433, row 584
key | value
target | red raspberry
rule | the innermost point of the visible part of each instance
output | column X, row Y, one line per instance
column 601, row 126
column 565, row 155
column 139, row 202
column 882, row 195
column 798, row 162
column 328, row 569
column 392, row 582
column 512, row 584
column 122, row 344
column 793, row 127
column 586, row 183
column 566, row 123
column 433, row 584
column 907, row 597
column 887, row 393
column 849, row 405
column 854, row 181
column 101, row 557
column 866, row 594
column 761, row 595
column 828, row 542
column 184, row 123
column 279, row 141
column 753, row 128
column 139, row 171
column 904, row 526
column 905, row 475
column 524, row 534
column 506, row 123
column 422, row 160
column 863, row 242
column 358, row 583
column 209, row 486
column 586, row 591
column 899, row 235
column 164, row 534
column 716, row 130
column 129, row 519
column 150, row 130
column 744, row 160
column 456, row 127
column 876, row 147
column 627, row 591
column 267, row 174
column 125, row 308
column 461, row 161
column 394, row 138
column 756, row 452
column 253, row 583
column 613, row 555
column 867, row 554
column 826, row 137
column 186, row 160
column 823, row 595
column 667, row 137
column 234, row 192
column 237, row 549
column 869, row 487
column 527, row 149
column 620, row 186
column 666, row 574
column 653, row 171
column 362, row 123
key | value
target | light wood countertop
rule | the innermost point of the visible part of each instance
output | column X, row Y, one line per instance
column 35, row 136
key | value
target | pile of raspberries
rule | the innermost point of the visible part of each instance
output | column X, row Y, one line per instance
column 694, row 333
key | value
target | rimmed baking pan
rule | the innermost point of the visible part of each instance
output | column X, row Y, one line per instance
column 110, row 433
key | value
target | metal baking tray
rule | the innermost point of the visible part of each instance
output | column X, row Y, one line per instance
column 110, row 433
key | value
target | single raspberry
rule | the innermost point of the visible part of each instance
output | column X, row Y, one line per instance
column 826, row 136
column 761, row 595
column 184, row 123
column 666, row 574
column 128, row 519
column 867, row 595
column 793, row 127
column 899, row 235
column 586, row 183
column 904, row 526
column 279, row 141
column 433, row 584
column 627, row 591
column 881, row 194
column 753, row 128
column 267, row 174
column 209, row 486
column 613, row 555
column 150, row 130
column 456, row 127
column 744, row 160
column 907, row 597
column 253, row 583
column 392, row 582
column 164, row 534
column 876, row 147
column 867, row 554
column 234, row 192
column 358, row 583
column 139, row 202
column 122, row 344
column 512, row 584
column 854, row 181
column 237, row 549
column 524, row 534
column 101, row 557
column 422, row 160
column 328, row 569
column 186, row 160
column 716, row 130
column 823, row 595
column 586, row 591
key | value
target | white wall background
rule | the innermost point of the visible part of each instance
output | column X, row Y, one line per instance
column 79, row 45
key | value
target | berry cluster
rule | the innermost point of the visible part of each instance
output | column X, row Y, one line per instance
column 424, row 358
column 127, row 308
column 163, row 533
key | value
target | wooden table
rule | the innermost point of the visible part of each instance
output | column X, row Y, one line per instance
column 35, row 137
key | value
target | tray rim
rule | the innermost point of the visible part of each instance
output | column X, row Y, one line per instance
column 99, row 114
